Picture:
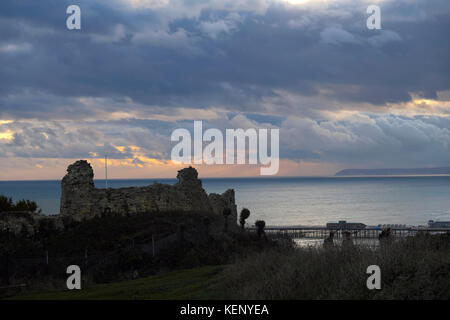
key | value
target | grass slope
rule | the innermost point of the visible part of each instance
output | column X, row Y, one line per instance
column 184, row 284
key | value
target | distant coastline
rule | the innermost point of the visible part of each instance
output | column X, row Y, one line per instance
column 395, row 172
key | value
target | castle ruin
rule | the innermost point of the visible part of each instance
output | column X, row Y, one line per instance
column 82, row 200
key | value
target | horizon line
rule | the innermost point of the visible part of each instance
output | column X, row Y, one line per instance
column 252, row 177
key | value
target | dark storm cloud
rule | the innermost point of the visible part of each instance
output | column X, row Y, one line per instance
column 216, row 57
column 244, row 64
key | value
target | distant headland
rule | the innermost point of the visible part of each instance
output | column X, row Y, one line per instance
column 394, row 171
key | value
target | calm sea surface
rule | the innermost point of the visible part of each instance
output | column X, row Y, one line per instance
column 288, row 201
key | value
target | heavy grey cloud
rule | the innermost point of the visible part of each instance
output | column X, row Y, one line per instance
column 159, row 55
column 257, row 62
column 379, row 140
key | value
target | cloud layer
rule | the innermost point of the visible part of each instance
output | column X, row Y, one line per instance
column 342, row 95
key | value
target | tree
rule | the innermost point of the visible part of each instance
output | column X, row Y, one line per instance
column 6, row 204
column 260, row 225
column 245, row 213
column 26, row 205
column 226, row 213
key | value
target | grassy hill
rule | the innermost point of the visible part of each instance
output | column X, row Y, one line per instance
column 184, row 284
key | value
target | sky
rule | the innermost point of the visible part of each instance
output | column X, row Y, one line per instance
column 342, row 96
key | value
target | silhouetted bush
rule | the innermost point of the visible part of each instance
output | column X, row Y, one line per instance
column 26, row 205
column 245, row 213
column 7, row 205
column 260, row 225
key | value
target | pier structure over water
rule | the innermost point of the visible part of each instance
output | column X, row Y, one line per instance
column 357, row 230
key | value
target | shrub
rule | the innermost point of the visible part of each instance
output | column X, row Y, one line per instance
column 26, row 205
column 245, row 213
column 260, row 225
column 6, row 204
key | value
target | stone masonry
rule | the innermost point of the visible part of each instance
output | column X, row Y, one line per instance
column 81, row 200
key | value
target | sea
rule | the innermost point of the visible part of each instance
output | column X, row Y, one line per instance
column 410, row 200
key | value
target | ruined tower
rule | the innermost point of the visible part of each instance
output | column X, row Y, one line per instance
column 81, row 200
column 77, row 188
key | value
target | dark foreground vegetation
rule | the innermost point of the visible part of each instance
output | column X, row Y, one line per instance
column 416, row 268
column 413, row 268
column 137, row 257
column 118, row 248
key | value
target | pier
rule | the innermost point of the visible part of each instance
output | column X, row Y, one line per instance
column 321, row 232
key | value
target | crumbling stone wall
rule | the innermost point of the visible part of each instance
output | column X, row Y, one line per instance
column 24, row 222
column 81, row 200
